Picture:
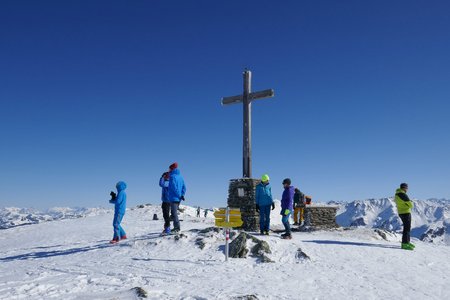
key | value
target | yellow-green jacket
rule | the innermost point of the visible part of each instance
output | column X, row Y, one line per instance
column 404, row 205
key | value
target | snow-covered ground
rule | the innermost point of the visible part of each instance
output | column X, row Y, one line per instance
column 71, row 259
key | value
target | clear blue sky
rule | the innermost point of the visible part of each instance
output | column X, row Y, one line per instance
column 93, row 92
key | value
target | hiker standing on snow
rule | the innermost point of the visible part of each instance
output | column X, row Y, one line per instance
column 120, row 205
column 164, row 184
column 177, row 190
column 198, row 212
column 206, row 213
column 299, row 206
column 264, row 201
column 287, row 200
column 404, row 206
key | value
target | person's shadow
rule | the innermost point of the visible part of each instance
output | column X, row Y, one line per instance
column 330, row 242
column 61, row 252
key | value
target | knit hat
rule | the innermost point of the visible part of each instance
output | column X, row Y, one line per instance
column 287, row 181
column 404, row 186
column 173, row 166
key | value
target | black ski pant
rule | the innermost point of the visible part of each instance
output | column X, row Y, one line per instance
column 406, row 219
column 166, row 214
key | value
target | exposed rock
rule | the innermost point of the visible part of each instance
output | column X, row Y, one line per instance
column 200, row 243
column 238, row 247
column 301, row 256
column 261, row 248
column 381, row 233
column 246, row 297
column 432, row 233
column 265, row 259
column 180, row 236
column 140, row 292
column 141, row 206
column 210, row 229
column 155, row 217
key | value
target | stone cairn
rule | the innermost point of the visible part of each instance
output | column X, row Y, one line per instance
column 241, row 194
column 320, row 217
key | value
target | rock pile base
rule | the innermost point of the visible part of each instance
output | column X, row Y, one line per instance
column 241, row 194
column 320, row 217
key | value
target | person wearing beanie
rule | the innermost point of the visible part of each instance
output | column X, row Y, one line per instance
column 287, row 201
column 177, row 190
column 264, row 201
column 404, row 206
column 120, row 206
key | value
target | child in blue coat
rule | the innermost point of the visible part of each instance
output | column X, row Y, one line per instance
column 120, row 205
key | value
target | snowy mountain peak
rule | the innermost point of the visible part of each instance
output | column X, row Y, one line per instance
column 430, row 218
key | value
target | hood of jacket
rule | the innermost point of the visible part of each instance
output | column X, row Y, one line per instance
column 120, row 186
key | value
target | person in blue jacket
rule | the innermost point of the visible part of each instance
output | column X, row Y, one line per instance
column 120, row 205
column 287, row 202
column 164, row 184
column 177, row 190
column 264, row 201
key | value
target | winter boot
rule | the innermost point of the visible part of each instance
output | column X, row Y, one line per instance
column 406, row 246
column 412, row 245
column 124, row 237
column 266, row 232
column 262, row 232
column 286, row 237
column 166, row 231
column 114, row 240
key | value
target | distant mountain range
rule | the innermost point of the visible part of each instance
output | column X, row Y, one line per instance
column 13, row 216
column 430, row 218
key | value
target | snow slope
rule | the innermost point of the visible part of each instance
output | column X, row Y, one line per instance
column 430, row 218
column 71, row 259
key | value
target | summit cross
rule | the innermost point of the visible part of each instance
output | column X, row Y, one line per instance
column 246, row 99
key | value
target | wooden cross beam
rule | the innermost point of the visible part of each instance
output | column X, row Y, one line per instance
column 246, row 99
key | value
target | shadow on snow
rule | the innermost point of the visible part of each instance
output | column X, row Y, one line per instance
column 62, row 252
column 329, row 242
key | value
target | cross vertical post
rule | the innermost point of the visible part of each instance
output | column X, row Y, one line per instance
column 247, row 134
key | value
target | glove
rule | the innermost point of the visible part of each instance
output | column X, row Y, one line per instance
column 257, row 208
column 286, row 212
column 113, row 195
column 182, row 198
column 273, row 206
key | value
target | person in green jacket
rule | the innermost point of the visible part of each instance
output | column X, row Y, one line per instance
column 404, row 206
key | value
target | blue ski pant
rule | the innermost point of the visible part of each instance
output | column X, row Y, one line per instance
column 264, row 217
column 285, row 221
column 118, row 230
